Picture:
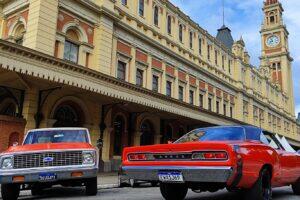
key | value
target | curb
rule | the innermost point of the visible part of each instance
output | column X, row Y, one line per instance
column 107, row 186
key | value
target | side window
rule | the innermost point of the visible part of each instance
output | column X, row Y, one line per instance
column 270, row 139
column 253, row 133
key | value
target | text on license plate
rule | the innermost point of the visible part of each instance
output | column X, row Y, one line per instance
column 170, row 177
column 47, row 177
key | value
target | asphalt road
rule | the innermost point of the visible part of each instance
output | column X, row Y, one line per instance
column 144, row 193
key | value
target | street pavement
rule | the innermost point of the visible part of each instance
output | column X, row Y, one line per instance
column 144, row 193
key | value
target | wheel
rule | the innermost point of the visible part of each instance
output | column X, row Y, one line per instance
column 262, row 189
column 133, row 183
column 296, row 187
column 173, row 191
column 91, row 187
column 154, row 184
column 10, row 191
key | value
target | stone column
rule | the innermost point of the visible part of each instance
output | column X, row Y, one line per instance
column 132, row 67
column 104, row 45
column 137, row 138
column 30, row 107
column 157, row 138
column 41, row 28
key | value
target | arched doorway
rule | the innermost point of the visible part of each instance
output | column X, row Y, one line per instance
column 68, row 114
column 13, row 138
column 169, row 133
column 147, row 136
column 119, row 129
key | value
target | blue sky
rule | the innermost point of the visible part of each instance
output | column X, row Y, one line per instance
column 244, row 18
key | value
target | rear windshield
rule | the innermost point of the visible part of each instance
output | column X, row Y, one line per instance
column 214, row 134
column 57, row 136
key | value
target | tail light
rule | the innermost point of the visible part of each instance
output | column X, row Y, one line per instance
column 213, row 155
column 140, row 157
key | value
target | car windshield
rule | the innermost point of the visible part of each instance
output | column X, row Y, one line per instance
column 57, row 136
column 214, row 134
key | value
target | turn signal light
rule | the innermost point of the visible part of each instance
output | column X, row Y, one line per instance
column 137, row 157
column 18, row 179
column 140, row 157
column 210, row 156
column 77, row 174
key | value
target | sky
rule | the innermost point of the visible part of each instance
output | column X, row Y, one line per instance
column 244, row 18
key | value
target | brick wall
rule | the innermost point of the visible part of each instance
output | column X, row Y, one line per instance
column 10, row 126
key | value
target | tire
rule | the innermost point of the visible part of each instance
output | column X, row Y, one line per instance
column 173, row 191
column 10, row 191
column 133, row 183
column 91, row 187
column 154, row 184
column 262, row 189
column 296, row 187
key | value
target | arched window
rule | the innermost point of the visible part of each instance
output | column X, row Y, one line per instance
column 147, row 137
column 68, row 115
column 169, row 26
column 180, row 32
column 9, row 109
column 119, row 129
column 272, row 17
column 71, row 46
column 19, row 34
column 156, row 13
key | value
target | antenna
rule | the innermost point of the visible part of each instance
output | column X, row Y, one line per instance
column 223, row 4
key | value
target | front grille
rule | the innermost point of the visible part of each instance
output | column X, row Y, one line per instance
column 48, row 159
column 180, row 156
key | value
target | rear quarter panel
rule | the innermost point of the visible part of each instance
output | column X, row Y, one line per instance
column 255, row 156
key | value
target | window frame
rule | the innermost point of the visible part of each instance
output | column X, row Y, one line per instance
column 141, row 8
column 156, row 15
column 118, row 70
column 71, row 44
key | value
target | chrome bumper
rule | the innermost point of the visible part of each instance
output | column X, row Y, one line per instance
column 190, row 174
column 62, row 174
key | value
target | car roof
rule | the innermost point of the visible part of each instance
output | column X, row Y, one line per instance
column 52, row 129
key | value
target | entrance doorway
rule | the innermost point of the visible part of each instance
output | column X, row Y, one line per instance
column 119, row 130
column 147, row 137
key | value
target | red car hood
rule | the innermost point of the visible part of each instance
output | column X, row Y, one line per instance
column 48, row 146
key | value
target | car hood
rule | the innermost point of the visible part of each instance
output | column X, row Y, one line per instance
column 48, row 147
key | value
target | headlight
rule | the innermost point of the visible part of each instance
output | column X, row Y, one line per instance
column 7, row 163
column 88, row 158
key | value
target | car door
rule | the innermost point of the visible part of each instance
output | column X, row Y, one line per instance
column 287, row 160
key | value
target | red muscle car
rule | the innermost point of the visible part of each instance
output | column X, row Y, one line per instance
column 209, row 159
column 47, row 157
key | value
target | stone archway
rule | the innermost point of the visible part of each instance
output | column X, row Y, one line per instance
column 68, row 114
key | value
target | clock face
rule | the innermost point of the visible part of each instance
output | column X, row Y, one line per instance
column 273, row 41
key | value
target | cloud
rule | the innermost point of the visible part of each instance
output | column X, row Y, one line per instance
column 245, row 18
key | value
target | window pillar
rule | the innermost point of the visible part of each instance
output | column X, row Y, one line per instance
column 163, row 79
column 149, row 73
column 176, row 85
column 132, row 66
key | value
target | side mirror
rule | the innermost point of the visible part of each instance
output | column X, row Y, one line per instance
column 100, row 143
column 15, row 144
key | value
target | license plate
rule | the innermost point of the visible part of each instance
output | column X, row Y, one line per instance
column 47, row 177
column 170, row 177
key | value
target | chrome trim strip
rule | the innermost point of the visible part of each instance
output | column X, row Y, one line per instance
column 175, row 168
column 46, row 169
column 43, row 169
column 41, row 151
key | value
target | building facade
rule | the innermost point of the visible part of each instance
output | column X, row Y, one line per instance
column 136, row 72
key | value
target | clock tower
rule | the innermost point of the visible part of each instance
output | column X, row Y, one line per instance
column 275, row 51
